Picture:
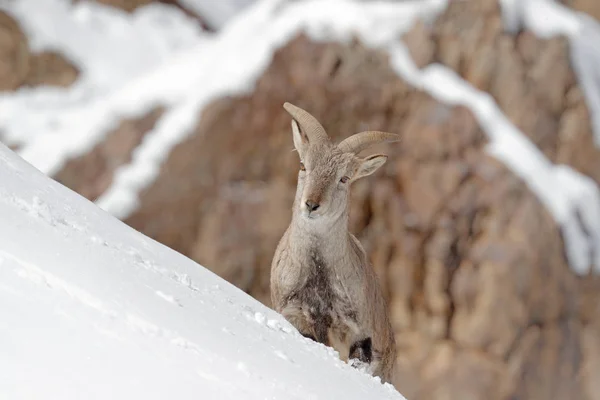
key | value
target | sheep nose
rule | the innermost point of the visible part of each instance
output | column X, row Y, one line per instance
column 311, row 205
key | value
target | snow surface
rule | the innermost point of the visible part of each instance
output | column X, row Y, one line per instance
column 92, row 309
column 548, row 18
column 216, row 13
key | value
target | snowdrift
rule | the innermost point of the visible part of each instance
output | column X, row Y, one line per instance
column 92, row 309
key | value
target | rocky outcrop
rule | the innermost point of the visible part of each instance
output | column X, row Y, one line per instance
column 530, row 78
column 14, row 53
column 20, row 67
column 590, row 7
column 50, row 69
column 482, row 300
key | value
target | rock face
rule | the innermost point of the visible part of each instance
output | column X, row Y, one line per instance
column 482, row 300
column 14, row 53
column 483, row 303
column 52, row 69
column 19, row 67
column 530, row 78
column 590, row 7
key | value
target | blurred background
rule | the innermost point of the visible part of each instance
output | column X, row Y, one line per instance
column 483, row 226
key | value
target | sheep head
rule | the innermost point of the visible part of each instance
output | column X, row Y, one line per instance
column 327, row 170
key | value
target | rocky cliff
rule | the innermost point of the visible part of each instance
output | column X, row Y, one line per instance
column 483, row 300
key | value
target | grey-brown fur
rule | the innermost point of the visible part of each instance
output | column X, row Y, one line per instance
column 321, row 280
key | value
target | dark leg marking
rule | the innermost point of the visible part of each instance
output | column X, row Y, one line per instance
column 362, row 350
column 308, row 336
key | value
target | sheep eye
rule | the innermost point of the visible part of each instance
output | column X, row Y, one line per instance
column 302, row 168
column 344, row 179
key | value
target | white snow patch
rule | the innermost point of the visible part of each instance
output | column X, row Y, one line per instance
column 547, row 18
column 168, row 298
column 112, row 49
column 216, row 13
column 84, row 314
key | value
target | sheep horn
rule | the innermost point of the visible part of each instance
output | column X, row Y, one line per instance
column 309, row 124
column 360, row 141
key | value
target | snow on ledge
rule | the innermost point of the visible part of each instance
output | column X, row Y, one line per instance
column 573, row 199
column 547, row 18
column 99, row 311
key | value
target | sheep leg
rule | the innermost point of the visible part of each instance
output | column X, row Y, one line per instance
column 362, row 350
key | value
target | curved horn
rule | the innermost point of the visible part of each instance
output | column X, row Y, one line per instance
column 313, row 129
column 360, row 141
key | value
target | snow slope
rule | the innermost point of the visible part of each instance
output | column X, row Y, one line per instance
column 92, row 309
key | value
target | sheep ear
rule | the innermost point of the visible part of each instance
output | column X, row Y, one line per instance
column 370, row 165
column 300, row 138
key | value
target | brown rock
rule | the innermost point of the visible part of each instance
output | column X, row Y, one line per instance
column 453, row 374
column 547, row 362
column 550, row 74
column 530, row 78
column 590, row 318
column 14, row 53
column 465, row 35
column 420, row 44
column 243, row 219
column 591, row 362
column 576, row 141
column 591, row 7
column 19, row 67
column 49, row 68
